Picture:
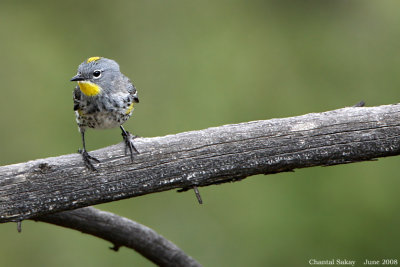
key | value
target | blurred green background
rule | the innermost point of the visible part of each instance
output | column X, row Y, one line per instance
column 198, row 64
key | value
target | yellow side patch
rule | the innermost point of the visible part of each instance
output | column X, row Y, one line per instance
column 91, row 59
column 129, row 110
column 89, row 88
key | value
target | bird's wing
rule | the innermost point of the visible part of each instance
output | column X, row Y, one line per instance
column 132, row 90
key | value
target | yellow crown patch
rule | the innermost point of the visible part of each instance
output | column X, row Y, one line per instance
column 91, row 59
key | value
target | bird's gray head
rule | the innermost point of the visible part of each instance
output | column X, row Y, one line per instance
column 96, row 72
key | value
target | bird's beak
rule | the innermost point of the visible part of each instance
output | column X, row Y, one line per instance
column 77, row 77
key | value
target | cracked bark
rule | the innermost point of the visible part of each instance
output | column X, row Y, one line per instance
column 46, row 189
column 199, row 158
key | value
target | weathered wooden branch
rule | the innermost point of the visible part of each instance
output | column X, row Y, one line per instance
column 199, row 158
column 122, row 232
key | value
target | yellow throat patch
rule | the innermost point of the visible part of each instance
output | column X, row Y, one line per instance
column 129, row 109
column 91, row 59
column 89, row 88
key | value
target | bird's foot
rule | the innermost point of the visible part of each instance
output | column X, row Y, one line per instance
column 87, row 159
column 128, row 139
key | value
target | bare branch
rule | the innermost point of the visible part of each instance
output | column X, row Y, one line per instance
column 122, row 232
column 199, row 158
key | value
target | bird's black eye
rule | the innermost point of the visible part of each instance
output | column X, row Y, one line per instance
column 96, row 74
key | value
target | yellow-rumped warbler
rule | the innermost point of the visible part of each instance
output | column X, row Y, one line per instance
column 103, row 99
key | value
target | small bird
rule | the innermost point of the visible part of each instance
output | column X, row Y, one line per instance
column 104, row 98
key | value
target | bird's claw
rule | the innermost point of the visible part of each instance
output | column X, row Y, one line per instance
column 128, row 139
column 87, row 159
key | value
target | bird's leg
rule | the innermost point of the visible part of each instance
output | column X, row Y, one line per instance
column 86, row 157
column 128, row 138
